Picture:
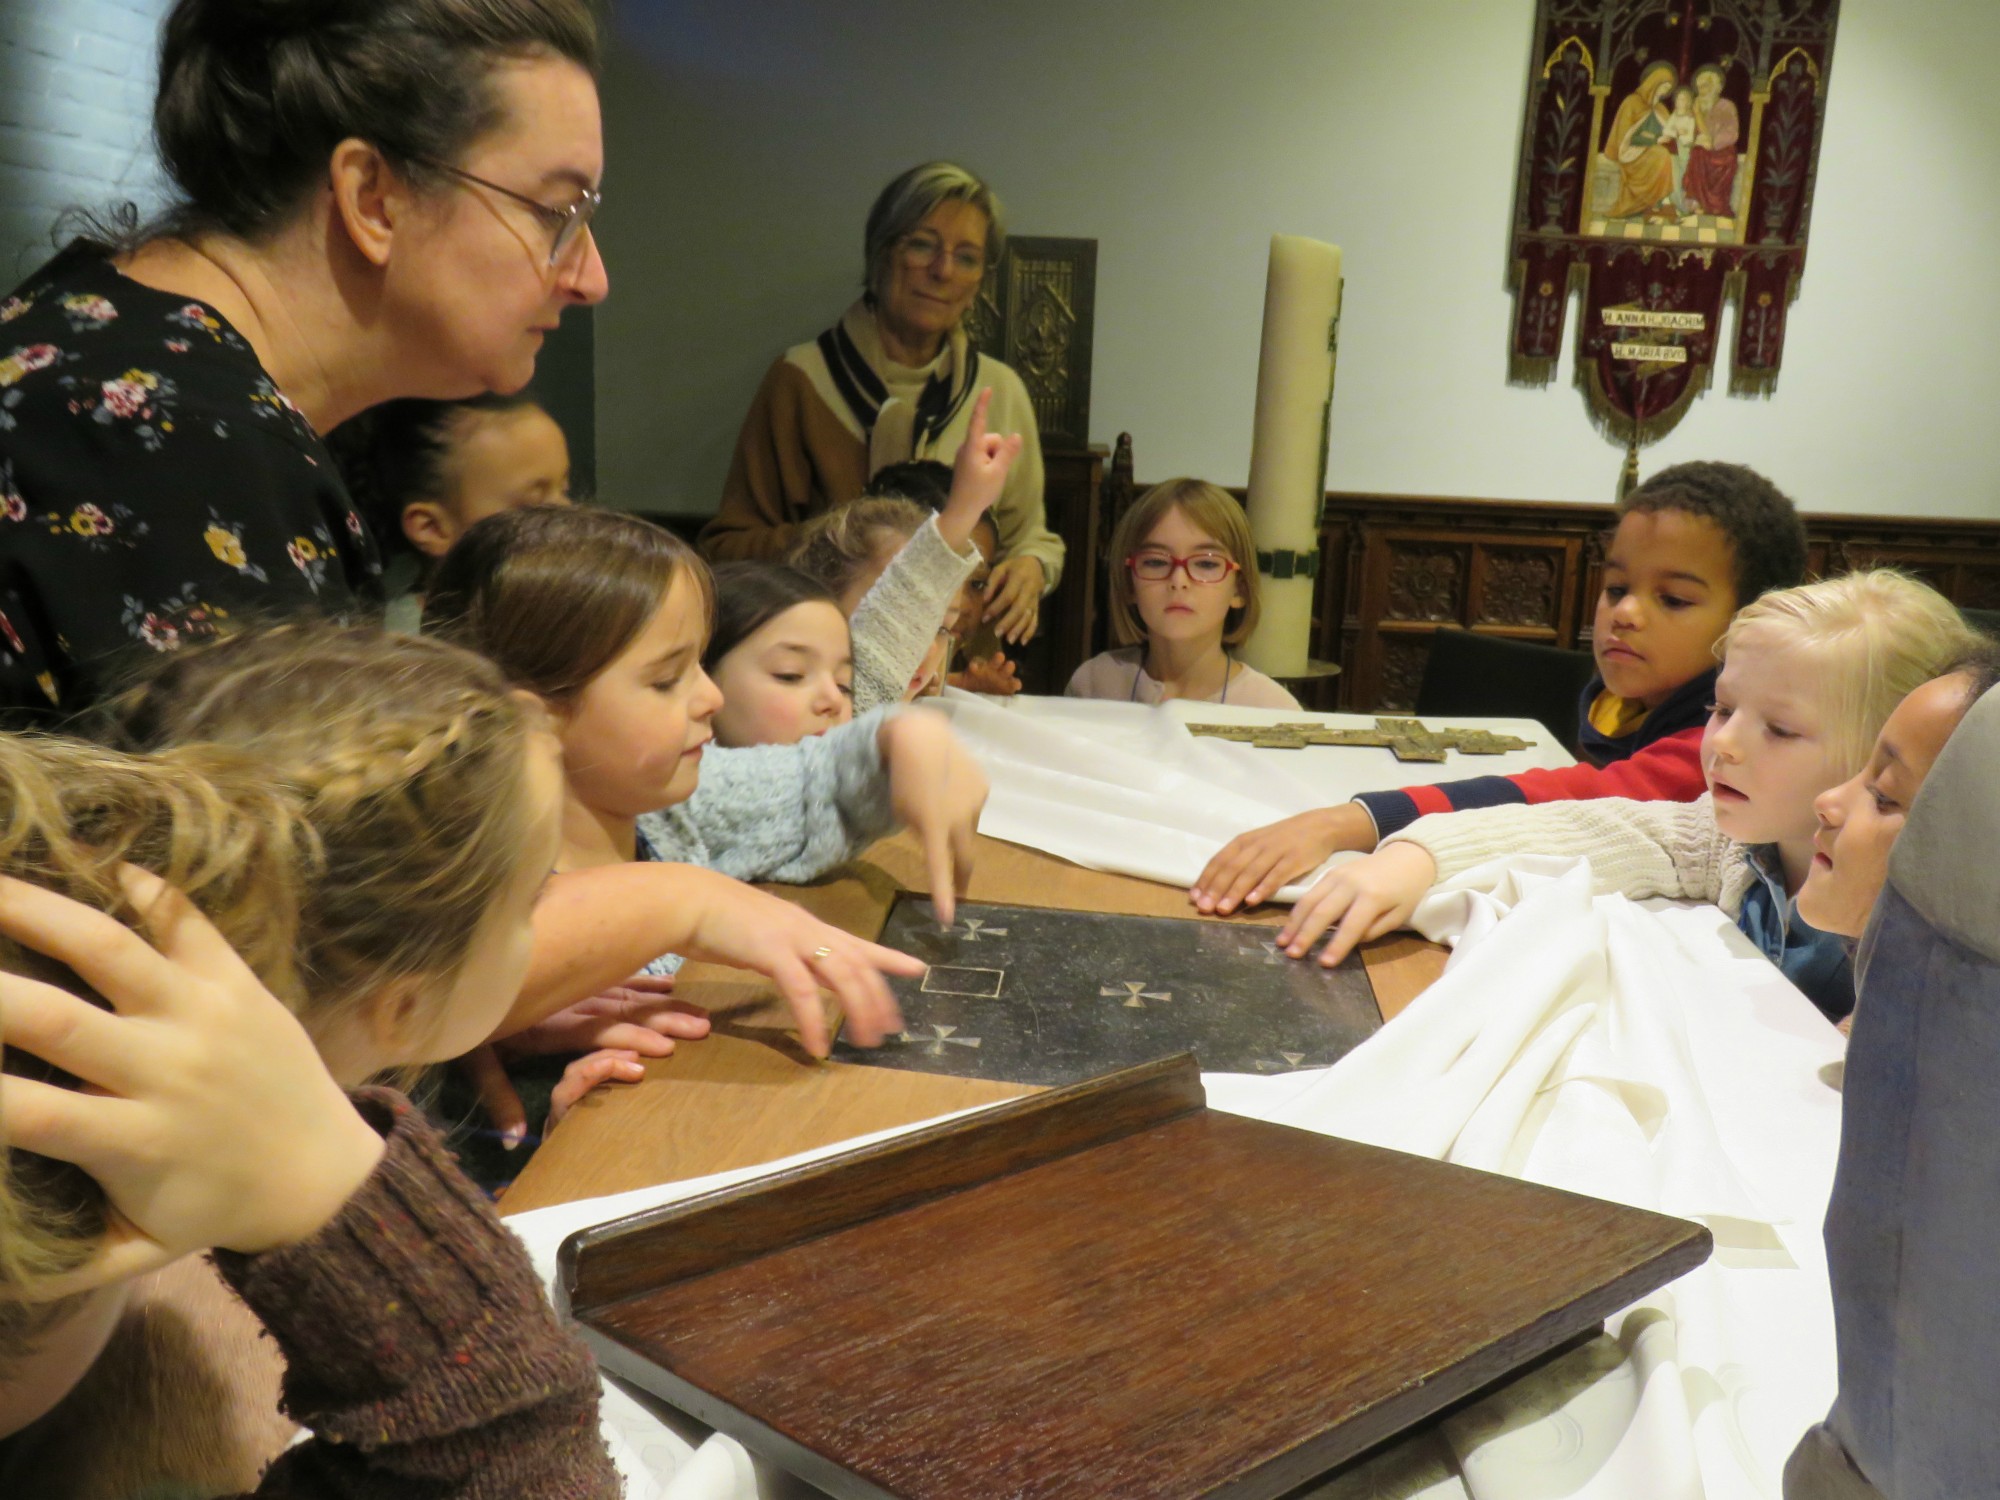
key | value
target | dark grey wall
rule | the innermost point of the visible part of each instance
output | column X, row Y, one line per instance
column 566, row 383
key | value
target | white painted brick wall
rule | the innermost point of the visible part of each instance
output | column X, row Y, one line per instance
column 76, row 105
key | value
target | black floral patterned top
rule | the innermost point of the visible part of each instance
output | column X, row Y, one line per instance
column 155, row 488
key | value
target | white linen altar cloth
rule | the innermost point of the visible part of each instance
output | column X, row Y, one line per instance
column 1124, row 787
column 1643, row 1054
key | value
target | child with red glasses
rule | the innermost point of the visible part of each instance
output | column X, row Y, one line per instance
column 1183, row 592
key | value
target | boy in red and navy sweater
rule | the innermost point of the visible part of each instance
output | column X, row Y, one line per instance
column 1693, row 543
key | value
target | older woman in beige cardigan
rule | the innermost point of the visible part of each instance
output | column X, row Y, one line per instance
column 895, row 379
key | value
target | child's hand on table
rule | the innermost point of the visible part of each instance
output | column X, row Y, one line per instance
column 739, row 925
column 610, row 1065
column 635, row 1016
column 988, row 674
column 1255, row 866
column 1368, row 898
column 937, row 791
column 207, row 1115
column 978, row 476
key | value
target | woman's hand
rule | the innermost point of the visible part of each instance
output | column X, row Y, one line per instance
column 1014, row 599
column 988, row 674
column 937, row 791
column 742, row 926
column 1255, row 866
column 1367, row 898
column 977, row 477
column 206, row 1114
column 633, row 1017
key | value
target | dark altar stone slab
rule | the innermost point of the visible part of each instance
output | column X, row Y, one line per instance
column 1102, row 1292
column 1025, row 994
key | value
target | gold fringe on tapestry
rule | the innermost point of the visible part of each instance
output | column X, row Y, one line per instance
column 1619, row 428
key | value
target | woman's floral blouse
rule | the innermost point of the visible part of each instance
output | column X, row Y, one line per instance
column 155, row 488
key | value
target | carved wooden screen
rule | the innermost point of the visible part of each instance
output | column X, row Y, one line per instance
column 1393, row 568
column 1414, row 579
column 1034, row 312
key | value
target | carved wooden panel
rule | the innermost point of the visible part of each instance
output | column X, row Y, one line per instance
column 1424, row 582
column 1967, row 575
column 1402, row 670
column 1518, row 586
column 1035, row 312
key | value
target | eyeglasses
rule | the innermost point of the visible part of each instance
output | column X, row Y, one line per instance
column 1203, row 567
column 922, row 249
column 567, row 223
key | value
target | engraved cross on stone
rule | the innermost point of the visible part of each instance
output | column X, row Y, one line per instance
column 934, row 1046
column 976, row 926
column 1288, row 1061
column 1134, row 994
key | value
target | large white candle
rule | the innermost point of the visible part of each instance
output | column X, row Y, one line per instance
column 1288, row 447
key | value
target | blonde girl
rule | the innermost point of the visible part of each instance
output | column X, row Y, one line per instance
column 1809, row 675
column 1183, row 593
column 603, row 617
column 374, row 867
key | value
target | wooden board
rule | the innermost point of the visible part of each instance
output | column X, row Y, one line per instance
column 1102, row 1290
column 1026, row 994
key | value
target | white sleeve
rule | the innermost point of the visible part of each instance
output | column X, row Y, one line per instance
column 1635, row 849
column 896, row 621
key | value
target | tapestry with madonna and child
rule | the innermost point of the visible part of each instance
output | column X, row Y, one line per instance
column 1667, row 162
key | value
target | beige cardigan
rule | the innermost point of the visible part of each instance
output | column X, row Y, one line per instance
column 802, row 451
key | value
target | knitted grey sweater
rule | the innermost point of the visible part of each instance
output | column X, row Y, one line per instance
column 787, row 813
column 781, row 812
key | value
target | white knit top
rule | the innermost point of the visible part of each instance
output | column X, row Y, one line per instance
column 1635, row 848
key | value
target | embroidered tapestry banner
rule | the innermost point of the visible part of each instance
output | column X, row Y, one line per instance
column 1667, row 162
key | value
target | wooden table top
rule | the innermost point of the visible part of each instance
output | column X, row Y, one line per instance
column 750, row 1094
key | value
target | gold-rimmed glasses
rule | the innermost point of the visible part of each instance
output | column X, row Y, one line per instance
column 921, row 248
column 568, row 224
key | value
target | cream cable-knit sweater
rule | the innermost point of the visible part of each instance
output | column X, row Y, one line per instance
column 1635, row 848
column 898, row 618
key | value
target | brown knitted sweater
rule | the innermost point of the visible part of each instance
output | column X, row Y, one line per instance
column 420, row 1349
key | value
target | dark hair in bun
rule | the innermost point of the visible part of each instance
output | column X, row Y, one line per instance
column 255, row 94
column 396, row 454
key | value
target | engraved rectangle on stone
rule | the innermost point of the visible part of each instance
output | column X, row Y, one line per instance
column 980, row 984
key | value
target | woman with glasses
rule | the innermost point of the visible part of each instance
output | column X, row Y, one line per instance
column 379, row 199
column 894, row 380
column 1183, row 592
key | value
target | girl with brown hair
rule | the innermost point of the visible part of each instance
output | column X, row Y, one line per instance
column 603, row 617
column 1183, row 593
